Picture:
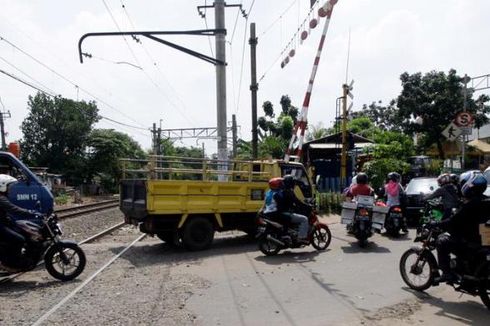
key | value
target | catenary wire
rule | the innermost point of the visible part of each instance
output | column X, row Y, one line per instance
column 52, row 95
column 68, row 80
column 27, row 75
column 165, row 96
column 59, row 59
column 153, row 61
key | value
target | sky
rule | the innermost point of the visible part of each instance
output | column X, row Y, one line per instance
column 138, row 84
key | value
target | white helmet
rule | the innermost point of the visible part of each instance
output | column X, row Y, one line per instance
column 5, row 180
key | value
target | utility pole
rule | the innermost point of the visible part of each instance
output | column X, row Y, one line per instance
column 234, row 133
column 346, row 91
column 219, row 20
column 466, row 80
column 343, row 158
column 3, row 115
column 253, row 88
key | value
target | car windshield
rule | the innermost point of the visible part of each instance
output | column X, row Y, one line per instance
column 424, row 185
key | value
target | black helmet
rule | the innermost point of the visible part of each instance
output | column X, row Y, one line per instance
column 473, row 183
column 454, row 178
column 443, row 179
column 394, row 176
column 288, row 181
column 362, row 178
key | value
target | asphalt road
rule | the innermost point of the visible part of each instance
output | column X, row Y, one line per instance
column 342, row 285
column 234, row 284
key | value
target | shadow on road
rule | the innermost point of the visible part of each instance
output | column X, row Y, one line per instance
column 16, row 288
column 285, row 257
column 158, row 253
column 463, row 311
column 371, row 247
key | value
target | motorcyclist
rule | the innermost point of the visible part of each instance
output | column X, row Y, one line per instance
column 14, row 240
column 448, row 191
column 463, row 226
column 394, row 193
column 361, row 187
column 288, row 205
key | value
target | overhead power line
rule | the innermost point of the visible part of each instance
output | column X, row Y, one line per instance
column 52, row 95
column 143, row 70
column 68, row 80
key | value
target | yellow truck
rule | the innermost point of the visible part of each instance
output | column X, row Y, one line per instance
column 185, row 200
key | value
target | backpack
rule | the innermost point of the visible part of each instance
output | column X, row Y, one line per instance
column 270, row 202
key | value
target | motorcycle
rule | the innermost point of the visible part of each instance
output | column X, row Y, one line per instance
column 63, row 259
column 363, row 218
column 419, row 268
column 394, row 221
column 433, row 211
column 274, row 236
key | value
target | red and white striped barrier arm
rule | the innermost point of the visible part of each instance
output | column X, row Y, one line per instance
column 300, row 126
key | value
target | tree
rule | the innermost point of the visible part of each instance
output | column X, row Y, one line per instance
column 105, row 148
column 276, row 131
column 316, row 131
column 434, row 99
column 383, row 117
column 55, row 133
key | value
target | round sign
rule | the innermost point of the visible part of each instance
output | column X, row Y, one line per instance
column 464, row 119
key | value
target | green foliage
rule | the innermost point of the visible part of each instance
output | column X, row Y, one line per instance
column 436, row 98
column 362, row 126
column 383, row 117
column 276, row 132
column 316, row 131
column 55, row 132
column 272, row 146
column 378, row 169
column 329, row 202
column 61, row 199
column 106, row 147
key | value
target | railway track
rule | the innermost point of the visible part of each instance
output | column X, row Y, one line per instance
column 10, row 277
column 86, row 209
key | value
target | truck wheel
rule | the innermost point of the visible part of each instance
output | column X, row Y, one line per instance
column 198, row 234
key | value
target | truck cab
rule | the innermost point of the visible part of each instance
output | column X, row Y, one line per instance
column 29, row 192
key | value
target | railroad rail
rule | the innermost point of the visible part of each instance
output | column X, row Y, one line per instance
column 53, row 309
column 87, row 208
column 10, row 277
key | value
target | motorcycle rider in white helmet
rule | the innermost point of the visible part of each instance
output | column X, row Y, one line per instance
column 14, row 240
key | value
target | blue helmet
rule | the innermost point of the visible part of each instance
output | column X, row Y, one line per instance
column 472, row 183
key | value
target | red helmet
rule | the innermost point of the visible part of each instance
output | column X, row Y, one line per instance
column 275, row 183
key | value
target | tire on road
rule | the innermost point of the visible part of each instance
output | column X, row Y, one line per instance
column 198, row 234
column 425, row 258
column 321, row 237
column 484, row 287
column 267, row 247
column 74, row 253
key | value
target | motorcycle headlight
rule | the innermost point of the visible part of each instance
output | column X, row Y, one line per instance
column 59, row 229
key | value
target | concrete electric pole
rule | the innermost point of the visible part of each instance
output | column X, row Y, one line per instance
column 219, row 19
column 253, row 88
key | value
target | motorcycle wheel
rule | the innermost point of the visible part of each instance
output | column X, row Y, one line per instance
column 422, row 272
column 394, row 232
column 321, row 237
column 65, row 261
column 267, row 247
column 484, row 287
column 362, row 239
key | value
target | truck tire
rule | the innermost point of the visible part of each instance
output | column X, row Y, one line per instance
column 198, row 234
